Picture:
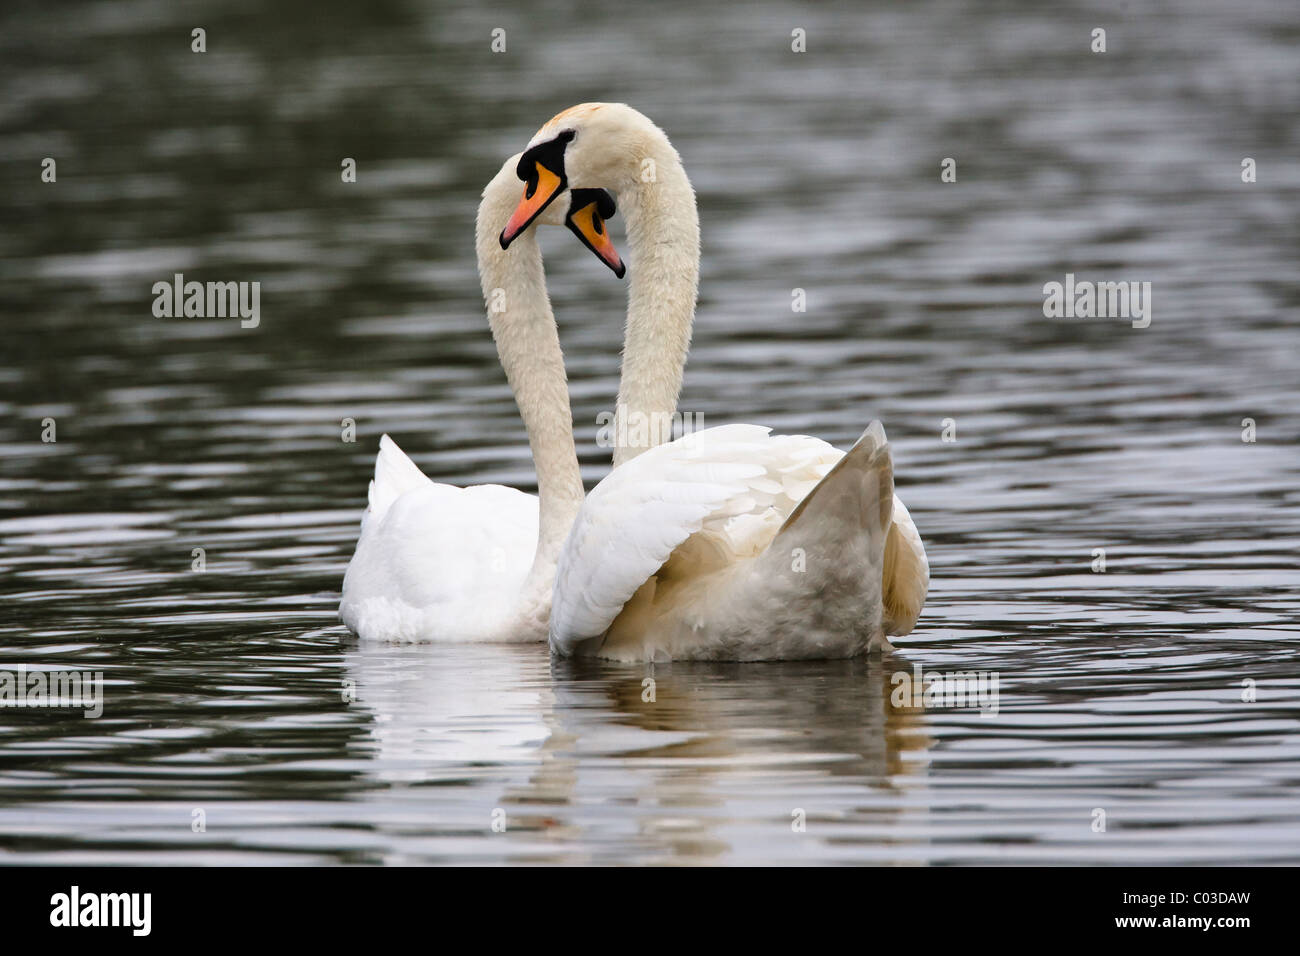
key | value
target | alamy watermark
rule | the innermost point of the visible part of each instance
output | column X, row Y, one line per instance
column 208, row 300
column 1098, row 300
column 83, row 690
column 916, row 689
column 74, row 908
column 631, row 429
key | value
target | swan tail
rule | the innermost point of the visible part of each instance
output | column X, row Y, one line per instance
column 395, row 475
column 907, row 574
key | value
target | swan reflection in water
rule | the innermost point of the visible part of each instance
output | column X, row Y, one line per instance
column 468, row 736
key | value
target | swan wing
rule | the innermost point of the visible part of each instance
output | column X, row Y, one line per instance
column 904, row 568
column 704, row 499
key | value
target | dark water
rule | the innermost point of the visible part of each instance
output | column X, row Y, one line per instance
column 227, row 691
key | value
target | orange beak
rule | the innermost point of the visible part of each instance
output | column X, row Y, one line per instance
column 542, row 188
column 588, row 225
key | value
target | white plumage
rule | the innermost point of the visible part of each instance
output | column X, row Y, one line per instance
column 727, row 484
column 436, row 562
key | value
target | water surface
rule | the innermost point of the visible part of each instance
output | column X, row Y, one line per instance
column 235, row 692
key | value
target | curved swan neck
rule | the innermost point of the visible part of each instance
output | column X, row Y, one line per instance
column 528, row 345
column 663, row 230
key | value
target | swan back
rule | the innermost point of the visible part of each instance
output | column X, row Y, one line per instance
column 702, row 501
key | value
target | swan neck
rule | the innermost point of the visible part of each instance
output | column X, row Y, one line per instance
column 663, row 232
column 528, row 345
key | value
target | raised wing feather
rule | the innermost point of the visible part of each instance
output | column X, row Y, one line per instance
column 395, row 474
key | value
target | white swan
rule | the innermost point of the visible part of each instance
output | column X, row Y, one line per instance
column 437, row 562
column 729, row 544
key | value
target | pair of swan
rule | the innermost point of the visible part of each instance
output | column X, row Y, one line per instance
column 727, row 544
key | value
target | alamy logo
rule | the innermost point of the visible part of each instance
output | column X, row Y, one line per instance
column 42, row 688
column 1098, row 300
column 74, row 908
column 935, row 689
column 211, row 300
column 626, row 428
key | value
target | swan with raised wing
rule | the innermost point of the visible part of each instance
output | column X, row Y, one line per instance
column 730, row 543
column 437, row 562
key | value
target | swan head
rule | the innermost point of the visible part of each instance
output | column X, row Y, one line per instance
column 592, row 145
column 584, row 213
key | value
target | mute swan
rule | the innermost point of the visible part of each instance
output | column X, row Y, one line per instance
column 436, row 562
column 731, row 543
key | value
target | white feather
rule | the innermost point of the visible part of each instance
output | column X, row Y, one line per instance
column 436, row 562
